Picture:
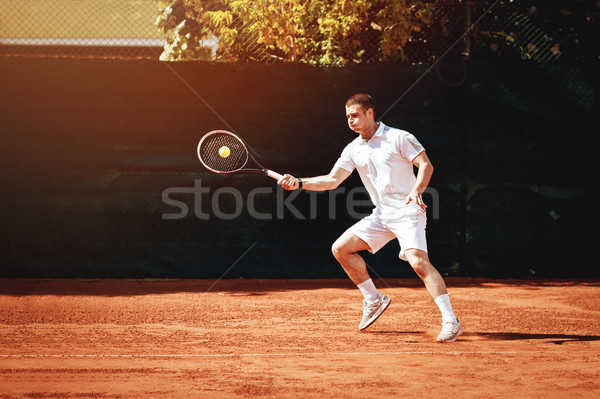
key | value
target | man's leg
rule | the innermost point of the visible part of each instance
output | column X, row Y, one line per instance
column 419, row 260
column 345, row 249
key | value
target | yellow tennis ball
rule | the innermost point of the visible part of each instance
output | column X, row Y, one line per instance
column 224, row 151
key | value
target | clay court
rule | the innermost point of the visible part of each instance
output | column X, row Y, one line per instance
column 295, row 338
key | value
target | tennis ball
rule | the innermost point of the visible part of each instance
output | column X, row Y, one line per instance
column 224, row 151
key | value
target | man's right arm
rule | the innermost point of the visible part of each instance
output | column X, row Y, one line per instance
column 318, row 183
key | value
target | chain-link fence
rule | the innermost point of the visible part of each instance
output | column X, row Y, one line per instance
column 153, row 29
column 80, row 28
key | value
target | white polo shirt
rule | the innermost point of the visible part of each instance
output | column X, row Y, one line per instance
column 384, row 164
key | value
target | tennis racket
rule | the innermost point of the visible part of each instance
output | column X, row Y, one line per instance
column 223, row 152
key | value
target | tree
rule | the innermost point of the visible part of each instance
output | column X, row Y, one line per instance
column 320, row 32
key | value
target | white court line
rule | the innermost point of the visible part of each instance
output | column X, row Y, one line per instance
column 225, row 355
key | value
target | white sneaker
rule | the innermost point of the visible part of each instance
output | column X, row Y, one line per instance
column 371, row 311
column 451, row 329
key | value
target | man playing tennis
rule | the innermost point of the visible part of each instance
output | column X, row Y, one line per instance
column 384, row 158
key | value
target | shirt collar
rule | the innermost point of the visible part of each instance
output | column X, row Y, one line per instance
column 378, row 132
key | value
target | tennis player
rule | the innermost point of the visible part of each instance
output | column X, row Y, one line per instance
column 384, row 158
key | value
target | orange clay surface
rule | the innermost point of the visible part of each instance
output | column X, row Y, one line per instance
column 295, row 339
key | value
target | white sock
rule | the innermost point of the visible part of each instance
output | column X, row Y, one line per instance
column 368, row 290
column 443, row 302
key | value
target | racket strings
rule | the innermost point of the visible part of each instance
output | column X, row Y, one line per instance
column 209, row 152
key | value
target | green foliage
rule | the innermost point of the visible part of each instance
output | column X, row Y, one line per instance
column 319, row 32
column 184, row 33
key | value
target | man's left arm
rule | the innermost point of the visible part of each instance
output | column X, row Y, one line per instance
column 425, row 167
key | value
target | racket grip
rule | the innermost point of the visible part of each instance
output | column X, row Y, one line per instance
column 272, row 174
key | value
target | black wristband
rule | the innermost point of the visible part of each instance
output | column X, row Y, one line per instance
column 299, row 183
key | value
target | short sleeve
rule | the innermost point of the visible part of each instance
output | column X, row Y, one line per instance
column 409, row 146
column 345, row 160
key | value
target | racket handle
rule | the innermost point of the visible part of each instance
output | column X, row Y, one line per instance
column 272, row 174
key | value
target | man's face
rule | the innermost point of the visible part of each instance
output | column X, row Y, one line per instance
column 358, row 119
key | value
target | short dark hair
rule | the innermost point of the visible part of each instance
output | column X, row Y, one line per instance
column 364, row 100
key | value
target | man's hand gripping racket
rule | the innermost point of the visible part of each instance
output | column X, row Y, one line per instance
column 223, row 152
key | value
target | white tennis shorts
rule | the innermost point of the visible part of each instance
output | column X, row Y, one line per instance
column 408, row 226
